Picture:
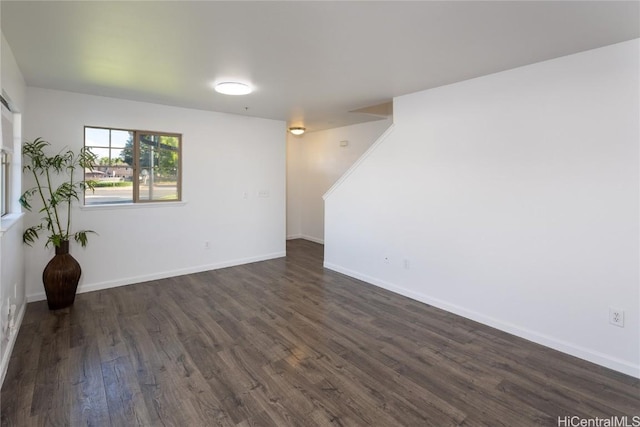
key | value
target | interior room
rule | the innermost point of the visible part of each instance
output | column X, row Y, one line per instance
column 320, row 213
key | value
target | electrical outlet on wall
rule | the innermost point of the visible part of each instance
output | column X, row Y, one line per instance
column 616, row 317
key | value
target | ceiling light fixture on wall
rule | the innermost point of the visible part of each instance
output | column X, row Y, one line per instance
column 297, row 130
column 233, row 88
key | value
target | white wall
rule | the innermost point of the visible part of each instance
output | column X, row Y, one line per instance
column 12, row 284
column 223, row 157
column 295, row 183
column 315, row 162
column 514, row 199
column 12, row 81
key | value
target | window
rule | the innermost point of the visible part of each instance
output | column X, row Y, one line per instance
column 133, row 166
column 6, row 150
column 4, row 183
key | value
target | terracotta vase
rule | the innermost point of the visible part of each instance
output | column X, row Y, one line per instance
column 61, row 277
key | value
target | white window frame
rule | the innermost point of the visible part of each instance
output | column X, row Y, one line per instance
column 5, row 182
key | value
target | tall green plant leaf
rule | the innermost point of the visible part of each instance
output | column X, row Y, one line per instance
column 56, row 203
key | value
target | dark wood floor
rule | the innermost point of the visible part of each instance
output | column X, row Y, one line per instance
column 286, row 343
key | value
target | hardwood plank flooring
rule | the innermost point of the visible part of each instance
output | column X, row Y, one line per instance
column 287, row 343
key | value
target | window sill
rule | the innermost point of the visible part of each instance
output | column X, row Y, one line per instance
column 8, row 221
column 118, row 206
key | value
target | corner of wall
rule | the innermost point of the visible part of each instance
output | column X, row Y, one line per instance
column 514, row 198
column 357, row 164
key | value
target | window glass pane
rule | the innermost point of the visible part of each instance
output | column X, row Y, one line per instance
column 109, row 190
column 169, row 142
column 117, row 156
column 7, row 128
column 96, row 137
column 112, row 178
column 126, row 153
column 148, row 148
column 166, row 181
column 102, row 155
column 120, row 138
column 145, row 188
column 156, row 186
column 167, row 163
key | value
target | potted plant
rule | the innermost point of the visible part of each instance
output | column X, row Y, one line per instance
column 62, row 273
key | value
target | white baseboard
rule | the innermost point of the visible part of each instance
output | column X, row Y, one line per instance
column 161, row 275
column 543, row 339
column 306, row 237
column 313, row 239
column 4, row 364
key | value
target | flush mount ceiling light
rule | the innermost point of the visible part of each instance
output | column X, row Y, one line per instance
column 233, row 88
column 297, row 130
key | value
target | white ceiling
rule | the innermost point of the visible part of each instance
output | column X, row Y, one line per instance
column 311, row 62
